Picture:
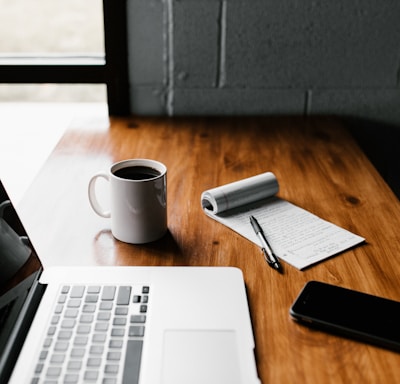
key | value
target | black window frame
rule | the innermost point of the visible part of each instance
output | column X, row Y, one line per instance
column 111, row 70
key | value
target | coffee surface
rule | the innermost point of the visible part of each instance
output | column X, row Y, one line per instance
column 137, row 173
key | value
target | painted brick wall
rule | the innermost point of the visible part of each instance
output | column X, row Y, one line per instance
column 217, row 57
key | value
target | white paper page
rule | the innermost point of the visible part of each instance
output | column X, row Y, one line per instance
column 297, row 236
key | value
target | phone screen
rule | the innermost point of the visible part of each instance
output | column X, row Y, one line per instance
column 351, row 313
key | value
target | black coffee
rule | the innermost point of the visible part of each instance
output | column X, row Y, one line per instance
column 137, row 173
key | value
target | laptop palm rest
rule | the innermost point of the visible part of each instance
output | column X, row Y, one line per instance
column 200, row 356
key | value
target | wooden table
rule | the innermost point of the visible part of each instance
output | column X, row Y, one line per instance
column 319, row 167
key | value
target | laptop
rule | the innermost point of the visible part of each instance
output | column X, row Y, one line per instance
column 140, row 325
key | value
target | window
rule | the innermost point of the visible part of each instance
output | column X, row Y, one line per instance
column 70, row 58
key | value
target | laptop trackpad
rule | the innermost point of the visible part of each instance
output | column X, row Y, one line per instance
column 200, row 356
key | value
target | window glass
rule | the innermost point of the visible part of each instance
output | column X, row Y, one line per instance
column 51, row 26
column 56, row 28
column 63, row 93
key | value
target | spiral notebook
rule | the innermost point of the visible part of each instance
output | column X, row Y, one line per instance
column 297, row 236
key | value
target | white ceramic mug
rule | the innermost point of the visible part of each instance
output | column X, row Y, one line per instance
column 138, row 191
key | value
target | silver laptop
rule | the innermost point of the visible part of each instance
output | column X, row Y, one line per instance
column 147, row 325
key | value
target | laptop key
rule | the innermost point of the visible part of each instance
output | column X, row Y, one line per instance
column 53, row 372
column 77, row 352
column 86, row 318
column 146, row 289
column 101, row 327
column 72, row 313
column 91, row 299
column 71, row 378
column 106, row 305
column 138, row 319
column 96, row 350
column 108, row 380
column 119, row 321
column 65, row 289
column 117, row 332
column 124, row 294
column 89, row 308
column 64, row 335
column 132, row 362
column 91, row 375
column 104, row 316
column 57, row 358
column 81, row 340
column 116, row 344
column 61, row 346
column 94, row 362
column 74, row 365
column 74, row 303
column 83, row 329
column 112, row 369
column 143, row 308
column 62, row 299
column 39, row 368
column 99, row 338
column 77, row 291
column 121, row 311
column 136, row 330
column 108, row 293
column 116, row 356
column 58, row 309
column 68, row 323
column 47, row 342
column 94, row 289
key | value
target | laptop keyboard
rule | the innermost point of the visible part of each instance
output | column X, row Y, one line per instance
column 95, row 335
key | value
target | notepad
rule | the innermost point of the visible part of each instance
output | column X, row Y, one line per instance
column 297, row 236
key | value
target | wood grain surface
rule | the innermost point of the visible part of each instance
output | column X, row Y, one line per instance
column 319, row 167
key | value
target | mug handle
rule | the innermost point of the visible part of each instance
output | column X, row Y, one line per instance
column 92, row 195
column 3, row 206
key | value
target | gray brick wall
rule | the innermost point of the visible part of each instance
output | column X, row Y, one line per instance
column 218, row 57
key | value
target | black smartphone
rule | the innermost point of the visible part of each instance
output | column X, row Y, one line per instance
column 350, row 313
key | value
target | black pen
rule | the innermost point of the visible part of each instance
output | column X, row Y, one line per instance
column 269, row 255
